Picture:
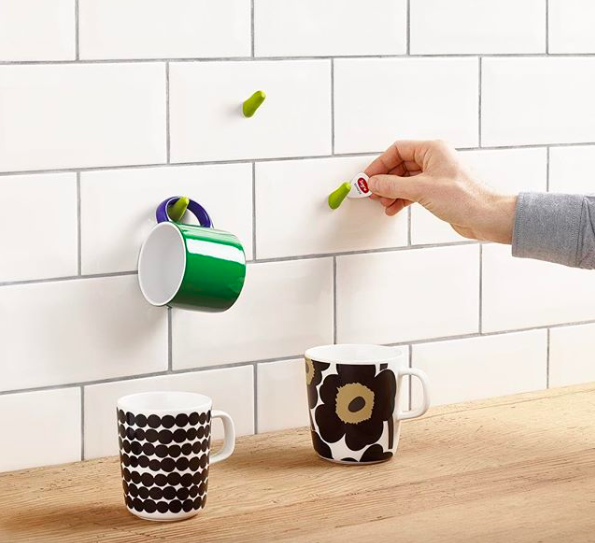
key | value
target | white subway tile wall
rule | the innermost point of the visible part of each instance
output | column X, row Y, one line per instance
column 109, row 107
column 333, row 27
column 374, row 106
column 33, row 30
column 471, row 369
column 114, row 29
column 571, row 25
column 477, row 26
column 537, row 100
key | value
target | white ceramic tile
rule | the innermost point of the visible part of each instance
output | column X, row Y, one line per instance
column 506, row 170
column 521, row 293
column 160, row 29
column 37, row 30
column 332, row 27
column 483, row 367
column 40, row 428
column 285, row 308
column 282, row 400
column 537, row 100
column 206, row 110
column 477, row 26
column 72, row 331
column 129, row 198
column 373, row 106
column 408, row 295
column 293, row 216
column 571, row 355
column 43, row 243
column 571, row 25
column 570, row 169
column 81, row 115
column 232, row 390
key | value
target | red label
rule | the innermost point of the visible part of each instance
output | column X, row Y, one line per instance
column 361, row 183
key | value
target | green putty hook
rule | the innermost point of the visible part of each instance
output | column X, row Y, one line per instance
column 177, row 209
column 253, row 103
column 336, row 197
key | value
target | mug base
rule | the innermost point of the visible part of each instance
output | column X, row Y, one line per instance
column 346, row 463
column 164, row 517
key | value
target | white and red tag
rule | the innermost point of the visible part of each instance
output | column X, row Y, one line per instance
column 359, row 187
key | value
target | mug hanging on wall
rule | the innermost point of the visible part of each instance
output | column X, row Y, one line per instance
column 191, row 266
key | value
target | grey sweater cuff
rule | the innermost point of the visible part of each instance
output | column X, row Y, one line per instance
column 548, row 227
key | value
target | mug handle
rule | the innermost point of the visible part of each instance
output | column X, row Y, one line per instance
column 229, row 441
column 418, row 411
column 194, row 207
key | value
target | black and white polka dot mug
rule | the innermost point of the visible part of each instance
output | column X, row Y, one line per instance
column 165, row 445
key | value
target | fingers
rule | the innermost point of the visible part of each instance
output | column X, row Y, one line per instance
column 407, row 155
column 398, row 205
column 394, row 187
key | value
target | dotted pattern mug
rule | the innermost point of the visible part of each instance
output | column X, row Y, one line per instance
column 165, row 444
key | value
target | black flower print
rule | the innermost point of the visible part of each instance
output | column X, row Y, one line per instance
column 320, row 446
column 355, row 404
column 375, row 453
column 314, row 372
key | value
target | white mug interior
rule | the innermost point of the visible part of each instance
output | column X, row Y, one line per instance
column 355, row 354
column 161, row 264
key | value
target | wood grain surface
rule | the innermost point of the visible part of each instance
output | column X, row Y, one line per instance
column 513, row 469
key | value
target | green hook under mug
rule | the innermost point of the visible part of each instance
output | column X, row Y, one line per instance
column 191, row 266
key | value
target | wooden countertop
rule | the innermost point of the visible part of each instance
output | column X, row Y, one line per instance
column 519, row 468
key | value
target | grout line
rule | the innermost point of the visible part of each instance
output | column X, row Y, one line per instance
column 547, row 27
column 547, row 169
column 252, row 35
column 66, row 278
column 167, row 115
column 409, row 343
column 278, row 159
column 334, row 299
column 77, row 48
column 547, row 364
column 410, row 406
column 169, row 340
column 255, row 392
column 480, row 288
column 332, row 106
column 253, row 211
column 82, row 388
column 409, row 27
column 479, row 102
column 253, row 261
column 79, row 240
column 402, row 56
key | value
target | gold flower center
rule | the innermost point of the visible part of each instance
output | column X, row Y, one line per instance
column 354, row 403
column 309, row 371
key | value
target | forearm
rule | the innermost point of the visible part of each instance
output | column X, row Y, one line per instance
column 555, row 227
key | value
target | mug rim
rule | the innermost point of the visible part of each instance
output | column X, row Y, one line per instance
column 352, row 354
column 144, row 268
column 182, row 402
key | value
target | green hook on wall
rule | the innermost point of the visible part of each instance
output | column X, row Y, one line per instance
column 176, row 210
column 250, row 106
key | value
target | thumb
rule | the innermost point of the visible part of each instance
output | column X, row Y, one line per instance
column 393, row 186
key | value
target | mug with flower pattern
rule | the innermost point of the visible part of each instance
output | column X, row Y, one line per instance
column 354, row 395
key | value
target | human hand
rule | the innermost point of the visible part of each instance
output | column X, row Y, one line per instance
column 432, row 174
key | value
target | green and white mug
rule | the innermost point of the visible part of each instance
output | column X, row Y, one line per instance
column 191, row 266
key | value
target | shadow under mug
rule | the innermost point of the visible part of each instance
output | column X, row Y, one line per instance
column 165, row 445
column 191, row 266
column 354, row 394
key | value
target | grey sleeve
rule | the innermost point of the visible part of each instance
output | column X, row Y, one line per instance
column 555, row 227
